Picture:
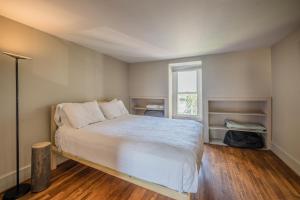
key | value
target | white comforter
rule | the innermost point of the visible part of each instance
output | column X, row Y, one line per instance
column 160, row 150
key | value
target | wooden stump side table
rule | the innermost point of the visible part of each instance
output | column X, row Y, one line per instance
column 40, row 166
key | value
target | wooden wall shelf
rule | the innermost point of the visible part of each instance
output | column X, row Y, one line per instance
column 138, row 105
column 248, row 110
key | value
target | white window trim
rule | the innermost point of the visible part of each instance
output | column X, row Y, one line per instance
column 173, row 81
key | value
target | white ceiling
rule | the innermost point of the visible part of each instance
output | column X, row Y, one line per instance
column 145, row 30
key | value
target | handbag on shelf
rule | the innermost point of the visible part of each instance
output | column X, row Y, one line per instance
column 243, row 139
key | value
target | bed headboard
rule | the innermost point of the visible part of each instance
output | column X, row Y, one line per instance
column 53, row 125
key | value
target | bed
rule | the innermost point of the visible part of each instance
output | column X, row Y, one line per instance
column 159, row 154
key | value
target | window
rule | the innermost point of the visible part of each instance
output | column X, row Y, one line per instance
column 186, row 90
column 187, row 96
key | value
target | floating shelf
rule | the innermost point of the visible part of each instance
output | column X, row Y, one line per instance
column 238, row 113
column 139, row 108
column 138, row 105
column 216, row 127
column 143, row 108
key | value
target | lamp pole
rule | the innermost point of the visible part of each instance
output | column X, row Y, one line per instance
column 20, row 189
column 17, row 125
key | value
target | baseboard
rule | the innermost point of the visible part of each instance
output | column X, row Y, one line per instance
column 8, row 180
column 291, row 161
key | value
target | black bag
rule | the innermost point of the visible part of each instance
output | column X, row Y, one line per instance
column 244, row 139
column 154, row 113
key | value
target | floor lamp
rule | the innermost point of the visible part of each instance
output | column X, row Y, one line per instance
column 20, row 189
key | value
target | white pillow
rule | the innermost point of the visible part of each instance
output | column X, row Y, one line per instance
column 113, row 109
column 60, row 116
column 83, row 114
column 122, row 107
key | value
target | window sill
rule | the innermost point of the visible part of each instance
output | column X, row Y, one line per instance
column 196, row 118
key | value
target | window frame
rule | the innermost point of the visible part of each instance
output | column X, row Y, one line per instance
column 175, row 93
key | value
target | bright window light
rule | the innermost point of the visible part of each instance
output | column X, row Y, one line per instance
column 187, row 96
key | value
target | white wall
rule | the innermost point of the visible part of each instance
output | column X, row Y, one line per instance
column 60, row 71
column 148, row 79
column 115, row 79
column 238, row 74
column 286, row 99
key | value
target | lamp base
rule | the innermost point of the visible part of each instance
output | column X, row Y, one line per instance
column 15, row 193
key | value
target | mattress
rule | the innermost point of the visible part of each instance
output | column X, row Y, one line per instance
column 159, row 150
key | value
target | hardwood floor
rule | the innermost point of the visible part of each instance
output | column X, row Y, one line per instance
column 227, row 173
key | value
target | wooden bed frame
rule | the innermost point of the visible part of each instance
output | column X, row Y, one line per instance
column 145, row 184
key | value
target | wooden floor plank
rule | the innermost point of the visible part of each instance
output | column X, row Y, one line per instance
column 226, row 173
